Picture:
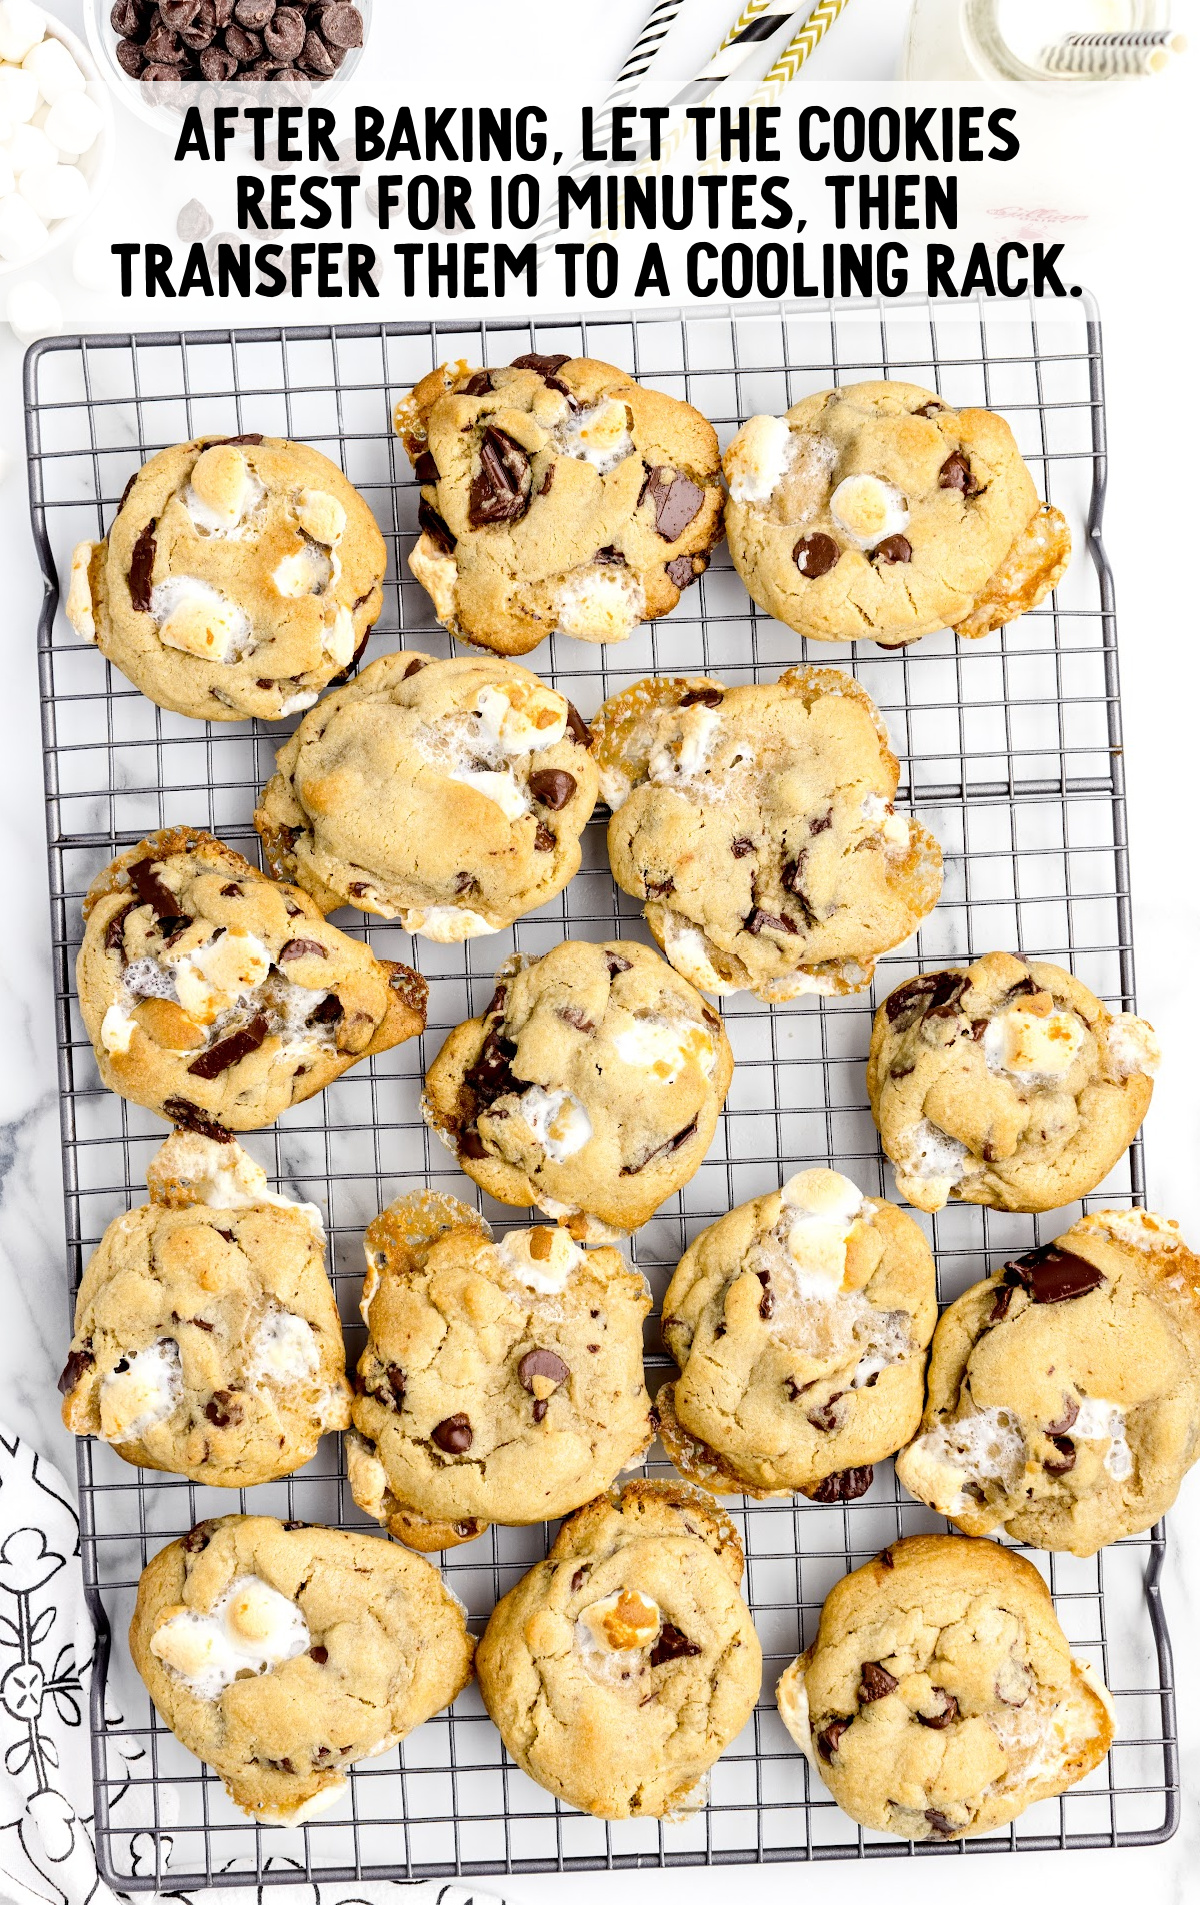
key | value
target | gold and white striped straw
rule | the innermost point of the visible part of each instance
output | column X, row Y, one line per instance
column 802, row 46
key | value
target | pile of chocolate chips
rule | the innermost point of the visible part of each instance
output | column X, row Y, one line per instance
column 234, row 39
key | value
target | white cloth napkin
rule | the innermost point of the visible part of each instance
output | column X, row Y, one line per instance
column 46, row 1651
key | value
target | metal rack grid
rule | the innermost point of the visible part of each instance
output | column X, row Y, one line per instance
column 1010, row 751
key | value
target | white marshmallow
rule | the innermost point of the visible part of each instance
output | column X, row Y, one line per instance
column 29, row 148
column 986, row 1446
column 116, row 1032
column 664, row 1048
column 8, row 177
column 548, row 1272
column 22, row 26
column 685, row 745
column 520, row 720
column 557, row 1120
column 19, row 94
column 598, row 435
column 197, row 619
column 338, row 640
column 191, row 1169
column 283, row 1350
column 824, row 1208
column 252, row 1628
column 499, row 787
column 930, row 1159
column 599, row 604
column 1132, row 1047
column 1100, row 1421
column 208, row 980
column 80, row 608
column 308, row 571
column 895, row 828
column 142, row 1394
column 868, row 509
column 757, row 458
column 33, row 311
column 446, row 925
column 792, row 1699
column 54, row 69
column 1030, row 1048
column 55, row 191
column 74, row 124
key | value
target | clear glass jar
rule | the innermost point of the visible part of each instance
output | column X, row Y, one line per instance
column 999, row 40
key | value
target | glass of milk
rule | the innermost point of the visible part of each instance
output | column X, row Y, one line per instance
column 1004, row 39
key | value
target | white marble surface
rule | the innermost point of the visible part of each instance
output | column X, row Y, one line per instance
column 1145, row 286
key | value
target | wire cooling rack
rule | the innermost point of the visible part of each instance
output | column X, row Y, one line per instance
column 1011, row 753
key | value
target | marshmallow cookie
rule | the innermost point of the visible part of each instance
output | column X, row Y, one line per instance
column 557, row 494
column 940, row 1697
column 1064, row 1398
column 501, row 1381
column 280, row 1654
column 590, row 1087
column 1005, row 1083
column 877, row 511
column 800, row 1324
column 207, row 1340
column 239, row 577
column 217, row 997
column 448, row 794
column 623, row 1665
column 757, row 825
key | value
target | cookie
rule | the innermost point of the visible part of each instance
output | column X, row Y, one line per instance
column 1005, row 1083
column 590, row 1087
column 622, row 1666
column 216, row 997
column 1064, row 1390
column 756, row 823
column 940, row 1698
column 501, row 1381
column 557, row 494
column 280, row 1654
column 800, row 1324
column 207, row 1339
column 877, row 511
column 447, row 794
column 240, row 576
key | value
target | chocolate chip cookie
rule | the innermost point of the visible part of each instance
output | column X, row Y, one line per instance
column 216, row 997
column 877, row 511
column 623, row 1665
column 280, row 1654
column 757, row 825
column 501, row 1381
column 1064, row 1393
column 800, row 1324
column 1005, row 1083
column 941, row 1698
column 207, row 1340
column 448, row 794
column 239, row 577
column 557, row 494
column 590, row 1087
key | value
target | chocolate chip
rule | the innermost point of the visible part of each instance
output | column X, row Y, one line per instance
column 433, row 526
column 663, row 1150
column 245, row 45
column 130, row 58
column 540, row 1410
column 845, row 1487
column 316, row 57
column 887, row 1559
column 766, row 1306
column 659, row 889
column 454, row 1435
column 578, row 728
column 544, row 366
column 927, row 994
column 616, row 964
column 677, row 502
column 684, row 570
column 1066, row 1456
column 158, row 71
column 479, row 384
column 188, row 1117
column 577, row 1580
column 542, row 1362
column 816, row 555
column 251, row 437
column 1051, row 1275
column 553, row 787
column 823, row 823
column 232, row 1050
column 672, row 1645
column 758, row 921
column 610, row 555
column 253, row 13
column 470, row 1145
column 576, row 1016
column 126, row 17
column 152, row 891
column 114, row 932
column 302, row 949
column 496, row 1003
column 77, row 1364
column 198, row 1539
column 500, row 492
column 319, row 1654
column 1067, row 1420
column 931, row 409
column 830, row 1738
column 199, row 1322
column 285, row 33
column 825, row 1417
column 956, row 473
column 949, row 1712
column 341, row 26
column 141, row 568
column 703, row 697
column 740, row 848
column 223, row 1408
column 178, row 14
column 491, row 1076
column 547, row 482
column 328, row 1012
column 543, row 840
column 893, row 549
column 941, row 1825
column 1000, row 1307
column 193, row 223
column 875, row 1684
column 425, row 469
column 203, row 28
